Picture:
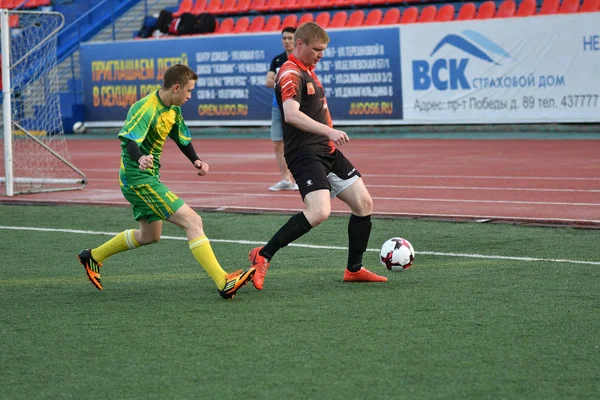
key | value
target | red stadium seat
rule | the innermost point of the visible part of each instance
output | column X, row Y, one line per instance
column 356, row 18
column 391, row 17
column 427, row 14
column 590, row 6
column 507, row 9
column 257, row 24
column 286, row 5
column 242, row 7
column 214, row 7
column 549, row 7
column 184, row 7
column 241, row 26
column 200, row 6
column 339, row 19
column 359, row 3
column 526, row 8
column 323, row 19
column 257, row 5
column 226, row 26
column 445, row 13
column 268, row 5
column 486, row 10
column 228, row 6
column 36, row 3
column 569, row 6
column 290, row 21
column 308, row 17
column 373, row 17
column 377, row 2
column 273, row 24
column 343, row 3
column 467, row 12
column 410, row 15
column 307, row 4
column 322, row 4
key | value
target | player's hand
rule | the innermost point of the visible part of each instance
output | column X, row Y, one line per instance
column 338, row 137
column 202, row 167
column 146, row 162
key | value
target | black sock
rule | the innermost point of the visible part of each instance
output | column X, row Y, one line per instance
column 296, row 226
column 359, row 230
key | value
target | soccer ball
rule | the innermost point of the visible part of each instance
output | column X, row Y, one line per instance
column 397, row 254
column 79, row 127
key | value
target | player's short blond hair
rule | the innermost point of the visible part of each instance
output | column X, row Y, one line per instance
column 310, row 32
column 180, row 74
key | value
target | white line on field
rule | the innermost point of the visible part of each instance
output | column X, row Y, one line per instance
column 310, row 246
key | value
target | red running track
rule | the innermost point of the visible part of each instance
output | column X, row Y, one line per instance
column 534, row 181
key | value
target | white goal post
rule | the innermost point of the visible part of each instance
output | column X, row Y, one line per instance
column 36, row 157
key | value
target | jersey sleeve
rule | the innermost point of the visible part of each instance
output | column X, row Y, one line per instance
column 140, row 118
column 289, row 82
column 180, row 133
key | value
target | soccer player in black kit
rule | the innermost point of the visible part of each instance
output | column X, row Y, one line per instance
column 321, row 171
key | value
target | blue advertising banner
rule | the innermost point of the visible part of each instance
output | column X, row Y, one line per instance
column 360, row 72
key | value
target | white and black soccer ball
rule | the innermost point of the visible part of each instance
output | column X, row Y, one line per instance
column 79, row 127
column 397, row 254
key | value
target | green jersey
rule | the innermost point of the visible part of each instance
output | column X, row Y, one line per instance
column 149, row 122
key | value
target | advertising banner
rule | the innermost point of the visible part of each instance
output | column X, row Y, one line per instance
column 512, row 70
column 360, row 72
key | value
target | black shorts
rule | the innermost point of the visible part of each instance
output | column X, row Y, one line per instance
column 333, row 172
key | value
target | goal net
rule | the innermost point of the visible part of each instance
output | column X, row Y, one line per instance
column 36, row 157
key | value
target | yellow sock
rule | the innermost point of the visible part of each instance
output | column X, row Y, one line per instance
column 123, row 241
column 203, row 253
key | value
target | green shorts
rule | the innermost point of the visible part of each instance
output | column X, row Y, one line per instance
column 151, row 201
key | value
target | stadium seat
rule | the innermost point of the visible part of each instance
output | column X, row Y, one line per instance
column 467, row 11
column 290, row 21
column 37, row 3
column 200, row 7
column 486, row 10
column 242, row 7
column 569, row 6
column 373, row 17
column 286, row 5
column 339, row 19
column 13, row 22
column 241, row 26
column 359, row 3
column 391, row 17
column 273, row 24
column 410, row 15
column 184, row 7
column 306, row 4
column 526, row 8
column 226, row 26
column 446, row 13
column 356, row 18
column 268, row 5
column 257, row 5
column 427, row 14
column 343, row 3
column 228, row 6
column 507, row 9
column 549, row 7
column 308, row 17
column 257, row 24
column 377, row 2
column 214, row 6
column 323, row 4
column 590, row 6
column 323, row 19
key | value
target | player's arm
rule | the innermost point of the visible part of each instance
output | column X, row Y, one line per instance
column 181, row 136
column 136, row 154
column 134, row 131
column 270, row 79
column 295, row 117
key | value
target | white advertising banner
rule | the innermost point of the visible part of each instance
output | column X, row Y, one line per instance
column 507, row 70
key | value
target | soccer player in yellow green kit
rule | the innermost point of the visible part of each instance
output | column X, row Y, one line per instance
column 149, row 122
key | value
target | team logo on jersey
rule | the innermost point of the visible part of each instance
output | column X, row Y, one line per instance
column 310, row 88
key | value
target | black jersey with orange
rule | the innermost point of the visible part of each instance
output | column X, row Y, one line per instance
column 298, row 82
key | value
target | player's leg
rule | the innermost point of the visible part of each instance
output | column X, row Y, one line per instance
column 199, row 245
column 315, row 192
column 286, row 182
column 349, row 187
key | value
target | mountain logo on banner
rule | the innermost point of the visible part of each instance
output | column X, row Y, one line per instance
column 465, row 45
column 450, row 73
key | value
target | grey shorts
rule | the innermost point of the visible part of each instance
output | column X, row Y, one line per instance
column 276, row 127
